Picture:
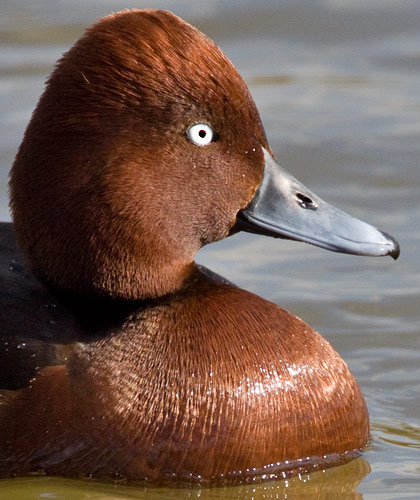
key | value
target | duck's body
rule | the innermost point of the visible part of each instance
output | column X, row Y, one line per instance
column 191, row 385
column 126, row 358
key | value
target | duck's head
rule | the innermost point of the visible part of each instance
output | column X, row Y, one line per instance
column 145, row 146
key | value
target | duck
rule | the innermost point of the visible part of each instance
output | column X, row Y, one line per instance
column 120, row 356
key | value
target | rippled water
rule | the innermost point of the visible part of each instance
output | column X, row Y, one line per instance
column 337, row 85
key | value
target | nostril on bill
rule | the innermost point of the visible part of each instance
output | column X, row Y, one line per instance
column 305, row 201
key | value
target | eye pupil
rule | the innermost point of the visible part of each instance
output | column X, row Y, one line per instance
column 202, row 133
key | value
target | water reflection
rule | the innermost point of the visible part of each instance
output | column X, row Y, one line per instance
column 340, row 482
column 405, row 435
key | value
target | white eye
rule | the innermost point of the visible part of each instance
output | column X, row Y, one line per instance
column 200, row 134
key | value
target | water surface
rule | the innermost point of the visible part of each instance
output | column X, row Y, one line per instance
column 337, row 85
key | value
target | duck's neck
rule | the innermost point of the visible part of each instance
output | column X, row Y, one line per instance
column 113, row 276
column 99, row 315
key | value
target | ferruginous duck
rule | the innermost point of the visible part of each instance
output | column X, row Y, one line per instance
column 121, row 357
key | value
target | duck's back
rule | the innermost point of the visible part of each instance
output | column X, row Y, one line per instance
column 32, row 321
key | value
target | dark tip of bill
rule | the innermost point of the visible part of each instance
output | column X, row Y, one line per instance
column 395, row 252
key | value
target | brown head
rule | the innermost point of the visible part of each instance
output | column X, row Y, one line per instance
column 109, row 193
column 115, row 187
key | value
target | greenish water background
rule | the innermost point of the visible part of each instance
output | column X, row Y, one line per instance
column 337, row 85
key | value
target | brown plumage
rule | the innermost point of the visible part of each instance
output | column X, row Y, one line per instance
column 145, row 365
column 109, row 129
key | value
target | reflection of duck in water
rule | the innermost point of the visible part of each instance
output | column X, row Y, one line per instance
column 129, row 359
